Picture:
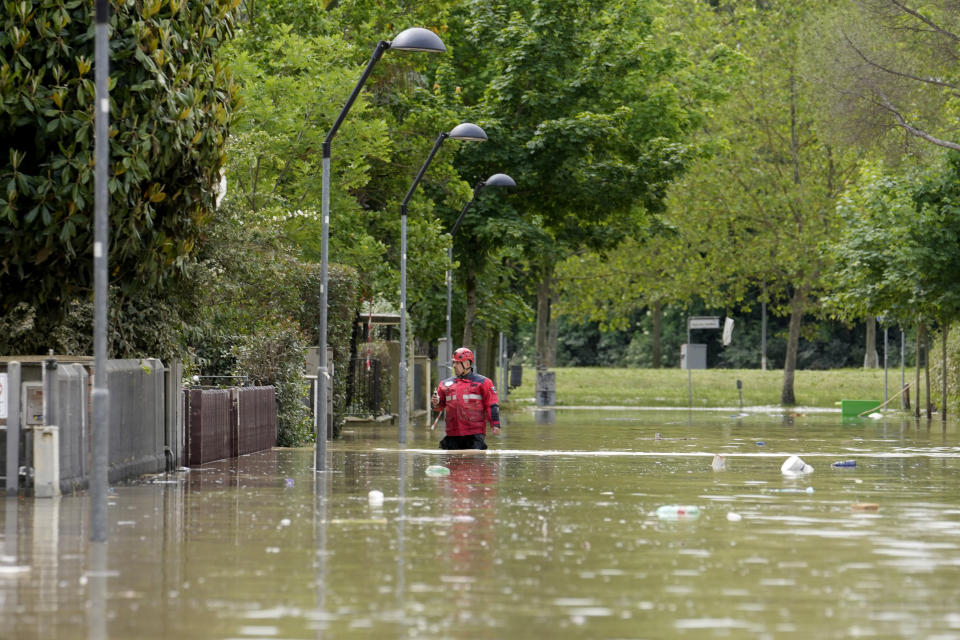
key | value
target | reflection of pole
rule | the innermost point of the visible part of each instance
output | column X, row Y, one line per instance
column 101, row 245
column 97, row 622
column 320, row 534
column 401, row 498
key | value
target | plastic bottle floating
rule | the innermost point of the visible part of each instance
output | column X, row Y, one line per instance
column 845, row 463
column 437, row 470
column 678, row 512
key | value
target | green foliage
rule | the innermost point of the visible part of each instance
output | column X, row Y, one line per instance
column 342, row 304
column 952, row 368
column 170, row 104
column 899, row 251
column 274, row 356
column 260, row 307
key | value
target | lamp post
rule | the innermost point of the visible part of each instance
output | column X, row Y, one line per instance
column 413, row 39
column 464, row 131
column 496, row 180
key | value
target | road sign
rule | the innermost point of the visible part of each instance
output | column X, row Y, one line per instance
column 703, row 322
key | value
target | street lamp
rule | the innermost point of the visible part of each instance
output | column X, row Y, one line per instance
column 413, row 39
column 464, row 131
column 496, row 180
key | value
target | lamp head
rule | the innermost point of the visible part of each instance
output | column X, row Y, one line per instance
column 418, row 39
column 467, row 131
column 499, row 180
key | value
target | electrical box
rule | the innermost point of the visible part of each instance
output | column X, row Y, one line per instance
column 32, row 403
column 693, row 356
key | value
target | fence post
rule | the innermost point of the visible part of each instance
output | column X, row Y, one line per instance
column 13, row 428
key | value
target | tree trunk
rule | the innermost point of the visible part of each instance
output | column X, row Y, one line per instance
column 943, row 368
column 470, row 315
column 552, row 333
column 870, row 359
column 542, row 343
column 919, row 350
column 487, row 355
column 787, row 396
column 657, row 332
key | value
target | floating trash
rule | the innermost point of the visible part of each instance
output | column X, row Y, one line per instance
column 794, row 466
column 288, row 482
column 865, row 506
column 734, row 517
column 844, row 463
column 719, row 463
column 761, row 443
column 437, row 470
column 678, row 511
column 375, row 498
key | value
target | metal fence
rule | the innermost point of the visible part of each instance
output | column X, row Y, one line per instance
column 366, row 393
column 225, row 423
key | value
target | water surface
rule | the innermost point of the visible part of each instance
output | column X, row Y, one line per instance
column 551, row 533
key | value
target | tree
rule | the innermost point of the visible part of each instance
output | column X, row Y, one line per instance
column 892, row 65
column 170, row 105
column 898, row 253
column 586, row 109
column 757, row 212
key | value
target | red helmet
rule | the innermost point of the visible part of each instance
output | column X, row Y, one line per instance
column 462, row 355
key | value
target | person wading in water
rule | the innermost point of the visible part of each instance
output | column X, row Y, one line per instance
column 469, row 401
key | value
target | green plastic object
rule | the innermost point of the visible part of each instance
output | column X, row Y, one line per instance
column 856, row 407
column 437, row 470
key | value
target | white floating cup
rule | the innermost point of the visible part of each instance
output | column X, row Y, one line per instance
column 794, row 466
column 376, row 498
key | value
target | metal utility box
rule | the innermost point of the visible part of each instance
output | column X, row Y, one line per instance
column 693, row 356
column 32, row 403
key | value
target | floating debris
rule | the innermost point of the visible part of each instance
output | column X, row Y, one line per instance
column 794, row 466
column 437, row 470
column 678, row 511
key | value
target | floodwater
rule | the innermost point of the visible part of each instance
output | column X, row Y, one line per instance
column 552, row 533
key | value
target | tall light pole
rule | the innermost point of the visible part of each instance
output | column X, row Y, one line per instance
column 464, row 131
column 99, row 479
column 496, row 180
column 413, row 39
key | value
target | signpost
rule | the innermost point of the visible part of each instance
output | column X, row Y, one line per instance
column 694, row 356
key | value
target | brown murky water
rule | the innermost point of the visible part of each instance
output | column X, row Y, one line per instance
column 552, row 533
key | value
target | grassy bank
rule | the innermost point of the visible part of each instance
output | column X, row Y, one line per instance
column 711, row 388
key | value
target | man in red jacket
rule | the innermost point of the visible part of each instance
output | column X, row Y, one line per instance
column 470, row 401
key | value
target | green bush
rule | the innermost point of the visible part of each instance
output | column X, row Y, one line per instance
column 170, row 105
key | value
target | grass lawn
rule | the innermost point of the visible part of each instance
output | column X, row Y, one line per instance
column 711, row 387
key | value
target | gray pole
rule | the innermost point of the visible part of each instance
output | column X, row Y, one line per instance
column 402, row 391
column 101, row 244
column 885, row 332
column 903, row 372
column 320, row 416
column 13, row 428
column 763, row 336
column 445, row 366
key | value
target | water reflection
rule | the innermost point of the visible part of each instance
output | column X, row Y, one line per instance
column 552, row 532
